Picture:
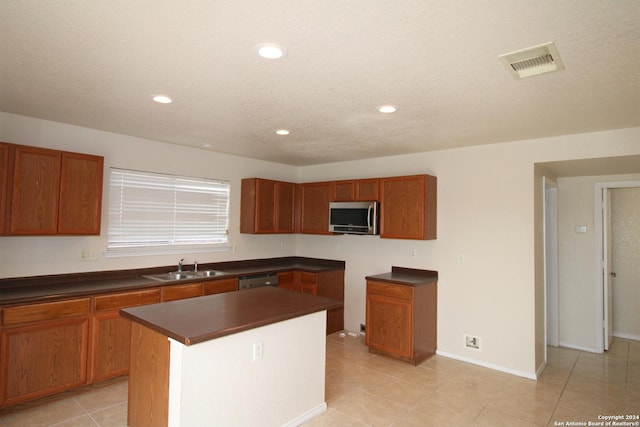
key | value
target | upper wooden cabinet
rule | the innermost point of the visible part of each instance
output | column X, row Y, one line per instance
column 50, row 192
column 267, row 206
column 314, row 205
column 408, row 207
column 4, row 183
column 80, row 194
column 356, row 190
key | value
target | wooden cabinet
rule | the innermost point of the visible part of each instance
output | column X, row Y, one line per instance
column 401, row 320
column 4, row 184
column 323, row 283
column 35, row 191
column 51, row 192
column 44, row 349
column 267, row 206
column 356, row 190
column 80, row 194
column 408, row 207
column 219, row 286
column 111, row 333
column 314, row 205
column 176, row 292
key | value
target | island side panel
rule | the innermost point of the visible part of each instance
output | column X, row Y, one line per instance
column 223, row 382
column 148, row 378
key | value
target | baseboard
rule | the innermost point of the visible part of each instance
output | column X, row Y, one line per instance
column 626, row 336
column 540, row 369
column 578, row 347
column 307, row 415
column 531, row 376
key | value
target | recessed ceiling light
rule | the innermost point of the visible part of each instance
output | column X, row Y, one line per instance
column 282, row 132
column 270, row 51
column 387, row 109
column 162, row 99
column 206, row 145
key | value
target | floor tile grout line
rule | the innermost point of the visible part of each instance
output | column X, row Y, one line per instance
column 564, row 387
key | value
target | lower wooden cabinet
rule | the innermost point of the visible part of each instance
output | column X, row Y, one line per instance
column 111, row 333
column 176, row 292
column 44, row 349
column 401, row 320
column 324, row 283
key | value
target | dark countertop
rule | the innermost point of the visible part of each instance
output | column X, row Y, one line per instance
column 195, row 320
column 406, row 276
column 47, row 288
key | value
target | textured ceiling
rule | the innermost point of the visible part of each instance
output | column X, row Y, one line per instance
column 97, row 64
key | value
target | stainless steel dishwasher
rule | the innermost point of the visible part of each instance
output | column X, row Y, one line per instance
column 257, row 281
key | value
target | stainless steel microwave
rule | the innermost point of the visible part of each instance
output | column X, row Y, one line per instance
column 354, row 217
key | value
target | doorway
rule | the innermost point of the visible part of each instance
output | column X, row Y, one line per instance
column 605, row 276
column 550, row 201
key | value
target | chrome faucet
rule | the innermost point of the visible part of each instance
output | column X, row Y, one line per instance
column 180, row 265
column 195, row 266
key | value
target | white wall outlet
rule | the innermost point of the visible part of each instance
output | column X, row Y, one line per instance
column 581, row 228
column 88, row 255
column 472, row 342
column 460, row 258
column 257, row 351
column 283, row 245
column 235, row 248
column 414, row 253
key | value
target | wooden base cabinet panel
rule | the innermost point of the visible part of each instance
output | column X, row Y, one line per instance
column 402, row 320
column 150, row 353
column 111, row 335
column 43, row 359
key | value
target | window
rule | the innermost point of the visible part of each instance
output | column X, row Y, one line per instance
column 157, row 213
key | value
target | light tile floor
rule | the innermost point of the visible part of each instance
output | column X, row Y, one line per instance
column 364, row 389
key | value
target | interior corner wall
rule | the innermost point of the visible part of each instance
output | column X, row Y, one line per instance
column 488, row 251
column 577, row 275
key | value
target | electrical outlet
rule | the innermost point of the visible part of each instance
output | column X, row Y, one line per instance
column 257, row 351
column 472, row 342
column 88, row 255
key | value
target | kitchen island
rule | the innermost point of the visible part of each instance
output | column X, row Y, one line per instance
column 254, row 357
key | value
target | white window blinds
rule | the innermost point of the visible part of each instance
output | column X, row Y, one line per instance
column 149, row 210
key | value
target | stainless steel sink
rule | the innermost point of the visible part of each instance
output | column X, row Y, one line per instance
column 206, row 273
column 183, row 275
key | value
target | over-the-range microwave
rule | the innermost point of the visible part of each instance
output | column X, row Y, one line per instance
column 354, row 217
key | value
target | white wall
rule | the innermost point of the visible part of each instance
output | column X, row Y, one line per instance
column 488, row 215
column 28, row 256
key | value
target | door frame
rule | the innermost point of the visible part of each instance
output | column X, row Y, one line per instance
column 550, row 221
column 602, row 284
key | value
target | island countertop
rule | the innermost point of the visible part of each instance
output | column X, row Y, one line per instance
column 195, row 320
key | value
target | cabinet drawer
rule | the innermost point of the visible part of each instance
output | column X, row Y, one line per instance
column 389, row 290
column 219, row 286
column 45, row 311
column 127, row 299
column 171, row 293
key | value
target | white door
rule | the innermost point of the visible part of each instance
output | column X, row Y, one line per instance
column 607, row 274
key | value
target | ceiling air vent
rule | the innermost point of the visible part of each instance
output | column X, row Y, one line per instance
column 532, row 61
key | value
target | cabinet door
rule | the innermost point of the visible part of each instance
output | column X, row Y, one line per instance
column 175, row 292
column 4, row 185
column 315, row 207
column 219, row 286
column 265, row 206
column 42, row 359
column 285, row 207
column 408, row 207
column 343, row 191
column 80, row 194
column 35, row 191
column 389, row 317
column 366, row 190
column 111, row 333
column 308, row 283
column 286, row 280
